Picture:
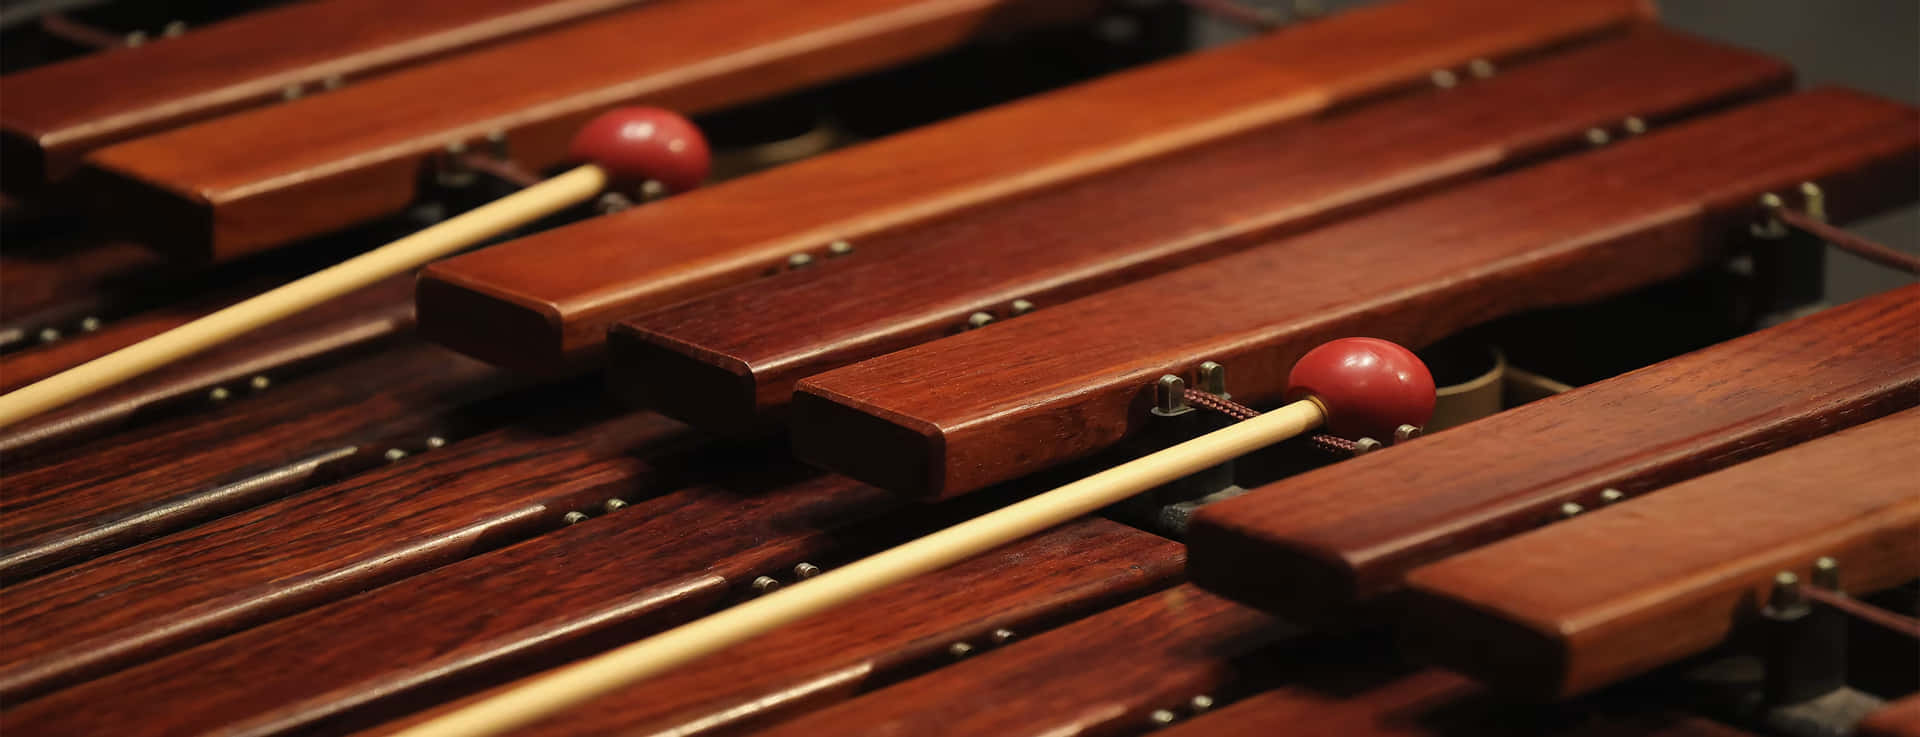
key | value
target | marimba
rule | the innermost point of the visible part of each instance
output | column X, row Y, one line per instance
column 593, row 476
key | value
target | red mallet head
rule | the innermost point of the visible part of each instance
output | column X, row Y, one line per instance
column 1369, row 387
column 635, row 144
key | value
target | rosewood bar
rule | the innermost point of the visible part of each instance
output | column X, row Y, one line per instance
column 1102, row 675
column 730, row 360
column 971, row 410
column 1612, row 594
column 420, row 641
column 1329, row 539
column 545, row 301
column 246, row 62
column 242, row 570
column 251, row 181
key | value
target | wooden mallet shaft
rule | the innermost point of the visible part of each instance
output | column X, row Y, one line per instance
column 554, row 692
column 474, row 226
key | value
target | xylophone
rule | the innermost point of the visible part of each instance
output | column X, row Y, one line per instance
column 946, row 367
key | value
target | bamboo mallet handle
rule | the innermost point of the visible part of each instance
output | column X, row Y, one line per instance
column 671, row 152
column 549, row 694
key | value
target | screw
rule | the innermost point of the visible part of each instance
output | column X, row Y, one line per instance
column 1002, row 636
column 1202, row 703
column 1162, row 717
column 259, row 382
column 1021, row 307
column 219, row 394
column 979, row 320
column 805, row 571
column 800, row 261
column 1597, row 137
column 1445, row 79
column 1610, row 496
column 614, row 505
column 765, row 584
column 436, row 442
column 574, row 518
column 839, row 248
column 89, row 324
column 394, row 454
column 1634, row 125
column 960, row 650
column 1570, row 510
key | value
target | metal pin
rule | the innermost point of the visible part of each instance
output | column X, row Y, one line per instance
column 394, row 454
column 1571, row 510
column 136, row 38
column 959, row 650
column 89, row 324
column 1364, row 446
column 1202, row 703
column 979, row 320
column 333, row 82
column 1405, row 433
column 1170, row 395
column 1826, row 573
column 837, row 249
column 574, row 518
column 1815, row 201
column 49, row 335
column 1002, row 636
column 259, row 383
column 1021, row 307
column 1786, row 592
column 614, row 505
column 652, row 189
column 1162, row 717
column 219, row 394
column 1480, row 68
column 805, row 571
column 612, row 202
column 765, row 584
column 1770, row 227
column 292, row 92
column 800, row 261
column 174, row 29
column 1634, row 125
column 1598, row 137
column 1611, row 496
column 1213, row 378
column 435, row 442
column 1444, row 79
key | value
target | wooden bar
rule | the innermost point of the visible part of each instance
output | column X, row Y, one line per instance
column 1899, row 718
column 277, row 559
column 1330, row 539
column 1101, row 675
column 382, row 303
column 250, row 181
column 248, row 61
column 338, row 332
column 525, row 306
column 1609, row 595
column 576, row 590
column 971, row 410
column 260, row 445
column 730, row 360
column 395, row 650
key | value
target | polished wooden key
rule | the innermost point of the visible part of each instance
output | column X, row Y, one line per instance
column 402, row 647
column 993, row 404
column 546, row 301
column 729, row 360
column 1330, row 539
column 267, row 439
column 253, row 60
column 248, row 182
column 1612, row 594
column 241, row 570
column 1102, row 675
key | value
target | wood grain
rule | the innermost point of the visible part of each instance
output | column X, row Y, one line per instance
column 63, row 507
column 971, row 410
column 1606, row 596
column 1897, row 719
column 1332, row 538
column 518, row 305
column 247, row 182
column 487, row 619
column 340, row 332
column 58, row 112
column 1101, row 675
column 1026, row 587
column 730, row 360
column 248, row 568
